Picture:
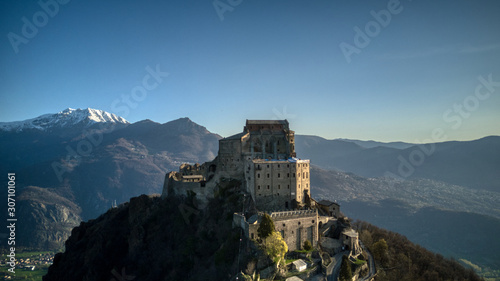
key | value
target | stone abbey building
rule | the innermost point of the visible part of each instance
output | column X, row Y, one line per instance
column 263, row 159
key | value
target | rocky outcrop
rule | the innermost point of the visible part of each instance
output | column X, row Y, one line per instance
column 152, row 238
column 47, row 218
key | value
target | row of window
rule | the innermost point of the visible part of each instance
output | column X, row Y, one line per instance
column 304, row 175
column 287, row 165
column 279, row 186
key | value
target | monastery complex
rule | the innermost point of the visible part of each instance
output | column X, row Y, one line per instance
column 262, row 157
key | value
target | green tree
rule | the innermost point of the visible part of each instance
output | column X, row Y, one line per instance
column 307, row 245
column 345, row 273
column 266, row 227
column 275, row 247
column 379, row 250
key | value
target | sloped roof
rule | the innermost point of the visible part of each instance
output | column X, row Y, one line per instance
column 300, row 263
column 327, row 203
column 294, row 278
column 236, row 137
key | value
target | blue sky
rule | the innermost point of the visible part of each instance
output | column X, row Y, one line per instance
column 417, row 73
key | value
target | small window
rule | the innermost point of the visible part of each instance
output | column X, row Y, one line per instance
column 293, row 175
column 299, row 222
column 268, row 187
column 268, row 175
column 312, row 221
column 279, row 186
column 258, row 175
column 288, row 165
column 278, row 194
column 288, row 175
column 283, row 225
column 258, row 187
column 268, row 166
column 278, row 165
column 279, row 175
column 288, row 186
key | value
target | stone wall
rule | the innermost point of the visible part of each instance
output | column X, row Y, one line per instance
column 296, row 227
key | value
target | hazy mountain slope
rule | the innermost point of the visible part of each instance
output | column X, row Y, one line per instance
column 372, row 144
column 126, row 161
column 418, row 193
column 451, row 220
column 474, row 163
column 457, row 234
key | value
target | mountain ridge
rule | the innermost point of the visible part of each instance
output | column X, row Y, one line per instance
column 66, row 118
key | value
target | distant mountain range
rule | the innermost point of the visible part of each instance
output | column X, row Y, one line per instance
column 85, row 159
column 372, row 144
column 473, row 164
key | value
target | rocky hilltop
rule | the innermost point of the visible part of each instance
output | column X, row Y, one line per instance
column 151, row 238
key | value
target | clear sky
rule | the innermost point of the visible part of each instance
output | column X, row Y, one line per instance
column 332, row 68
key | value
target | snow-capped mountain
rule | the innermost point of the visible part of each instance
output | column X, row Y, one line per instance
column 66, row 118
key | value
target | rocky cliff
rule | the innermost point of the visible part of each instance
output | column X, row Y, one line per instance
column 47, row 218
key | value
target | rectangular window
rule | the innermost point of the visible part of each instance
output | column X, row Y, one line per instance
column 268, row 187
column 278, row 175
column 258, row 175
column 288, row 175
column 258, row 187
column 267, row 175
column 279, row 186
column 293, row 175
